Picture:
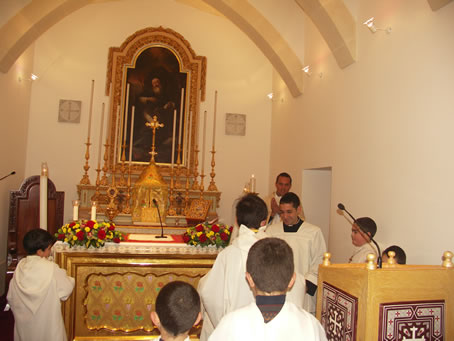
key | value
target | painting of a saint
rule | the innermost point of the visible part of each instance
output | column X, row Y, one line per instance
column 155, row 90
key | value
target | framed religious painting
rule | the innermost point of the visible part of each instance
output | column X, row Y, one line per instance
column 156, row 83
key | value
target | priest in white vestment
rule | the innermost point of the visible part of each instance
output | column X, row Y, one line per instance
column 270, row 274
column 36, row 290
column 283, row 185
column 224, row 288
column 305, row 239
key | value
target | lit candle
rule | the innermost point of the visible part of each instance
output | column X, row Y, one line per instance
column 75, row 210
column 203, row 141
column 43, row 196
column 125, row 122
column 93, row 210
column 181, row 117
column 253, row 183
column 214, row 116
column 100, row 136
column 131, row 133
column 91, row 107
column 173, row 136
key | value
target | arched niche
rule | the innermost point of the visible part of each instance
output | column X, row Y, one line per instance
column 150, row 54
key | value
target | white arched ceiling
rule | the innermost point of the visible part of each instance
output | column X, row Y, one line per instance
column 331, row 17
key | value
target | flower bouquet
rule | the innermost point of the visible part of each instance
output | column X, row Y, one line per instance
column 205, row 234
column 88, row 233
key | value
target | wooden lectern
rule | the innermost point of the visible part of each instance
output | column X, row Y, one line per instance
column 397, row 302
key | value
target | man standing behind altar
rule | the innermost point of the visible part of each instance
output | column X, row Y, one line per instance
column 283, row 185
column 305, row 239
column 224, row 288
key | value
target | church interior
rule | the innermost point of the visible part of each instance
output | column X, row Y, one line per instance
column 358, row 112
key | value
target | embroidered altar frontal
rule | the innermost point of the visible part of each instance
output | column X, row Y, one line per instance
column 116, row 292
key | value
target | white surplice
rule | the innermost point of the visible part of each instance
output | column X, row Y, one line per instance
column 361, row 252
column 291, row 323
column 308, row 247
column 277, row 218
column 224, row 288
column 35, row 293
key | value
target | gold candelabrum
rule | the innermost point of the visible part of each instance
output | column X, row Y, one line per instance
column 112, row 191
column 122, row 181
column 85, row 178
column 127, row 207
column 212, row 187
column 104, row 181
column 195, row 184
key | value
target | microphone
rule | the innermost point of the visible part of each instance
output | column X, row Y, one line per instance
column 12, row 173
column 159, row 214
column 379, row 258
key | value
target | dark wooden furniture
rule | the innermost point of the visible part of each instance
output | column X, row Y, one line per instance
column 24, row 213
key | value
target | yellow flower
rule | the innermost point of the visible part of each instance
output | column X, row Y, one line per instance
column 199, row 234
column 87, row 229
column 95, row 226
column 209, row 234
column 64, row 229
column 74, row 238
column 77, row 226
column 66, row 240
column 193, row 236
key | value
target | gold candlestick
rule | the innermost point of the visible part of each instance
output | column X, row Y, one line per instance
column 186, row 196
column 195, row 184
column 112, row 191
column 104, row 168
column 201, row 185
column 96, row 196
column 85, row 179
column 171, row 211
column 122, row 181
column 212, row 187
column 127, row 209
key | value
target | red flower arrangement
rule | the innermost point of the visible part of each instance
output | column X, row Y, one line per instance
column 208, row 234
column 88, row 233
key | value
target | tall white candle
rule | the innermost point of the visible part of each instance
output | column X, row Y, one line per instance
column 93, row 210
column 100, row 136
column 43, row 196
column 188, row 147
column 125, row 122
column 253, row 183
column 173, row 136
column 75, row 210
column 181, row 116
column 203, row 141
column 131, row 133
column 214, row 117
column 117, row 135
column 91, row 107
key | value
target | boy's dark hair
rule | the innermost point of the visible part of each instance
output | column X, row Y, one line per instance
column 367, row 224
column 177, row 306
column 37, row 239
column 285, row 175
column 251, row 210
column 270, row 264
column 290, row 198
column 401, row 257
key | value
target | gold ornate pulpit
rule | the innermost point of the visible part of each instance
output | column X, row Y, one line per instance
column 397, row 302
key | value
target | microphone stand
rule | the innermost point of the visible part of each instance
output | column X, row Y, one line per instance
column 363, row 231
column 4, row 177
column 159, row 215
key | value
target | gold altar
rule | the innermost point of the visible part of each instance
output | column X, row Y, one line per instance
column 116, row 286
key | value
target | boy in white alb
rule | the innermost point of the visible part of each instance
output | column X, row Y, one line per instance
column 270, row 274
column 177, row 310
column 224, row 288
column 362, row 240
column 36, row 290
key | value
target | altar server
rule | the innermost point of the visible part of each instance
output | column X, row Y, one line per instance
column 306, row 241
column 361, row 239
column 177, row 310
column 224, row 288
column 270, row 274
column 36, row 290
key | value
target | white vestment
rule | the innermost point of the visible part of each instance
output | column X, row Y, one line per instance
column 224, row 288
column 308, row 247
column 361, row 252
column 291, row 323
column 34, row 295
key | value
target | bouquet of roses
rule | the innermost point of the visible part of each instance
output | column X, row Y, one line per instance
column 206, row 234
column 88, row 233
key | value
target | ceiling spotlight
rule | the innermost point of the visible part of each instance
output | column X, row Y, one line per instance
column 33, row 77
column 307, row 70
column 371, row 26
column 270, row 95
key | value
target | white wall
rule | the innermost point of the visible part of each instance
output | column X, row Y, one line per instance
column 14, row 98
column 384, row 125
column 74, row 51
